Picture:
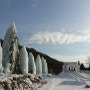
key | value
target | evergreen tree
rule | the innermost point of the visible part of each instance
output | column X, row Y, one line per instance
column 82, row 67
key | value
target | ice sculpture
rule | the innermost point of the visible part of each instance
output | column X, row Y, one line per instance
column 44, row 66
column 10, row 60
column 38, row 65
column 24, row 60
column 32, row 65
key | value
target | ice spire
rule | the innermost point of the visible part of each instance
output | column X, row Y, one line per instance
column 32, row 65
column 38, row 65
column 44, row 66
column 10, row 50
column 11, row 29
column 24, row 60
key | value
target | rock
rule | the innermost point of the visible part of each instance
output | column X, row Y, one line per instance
column 19, row 82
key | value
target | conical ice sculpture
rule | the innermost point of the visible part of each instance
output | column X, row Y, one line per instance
column 38, row 65
column 24, row 60
column 44, row 66
column 10, row 60
column 32, row 65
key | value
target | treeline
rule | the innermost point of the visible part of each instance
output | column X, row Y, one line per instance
column 82, row 67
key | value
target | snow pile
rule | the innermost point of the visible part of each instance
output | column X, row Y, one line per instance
column 62, row 75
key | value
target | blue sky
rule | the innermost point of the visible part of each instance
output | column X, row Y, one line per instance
column 59, row 28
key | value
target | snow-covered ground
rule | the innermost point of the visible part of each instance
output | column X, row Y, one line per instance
column 65, row 81
column 70, row 80
column 1, row 88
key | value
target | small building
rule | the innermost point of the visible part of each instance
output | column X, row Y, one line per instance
column 71, row 66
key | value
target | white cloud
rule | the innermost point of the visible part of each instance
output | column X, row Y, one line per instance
column 86, row 31
column 81, row 58
column 56, row 38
